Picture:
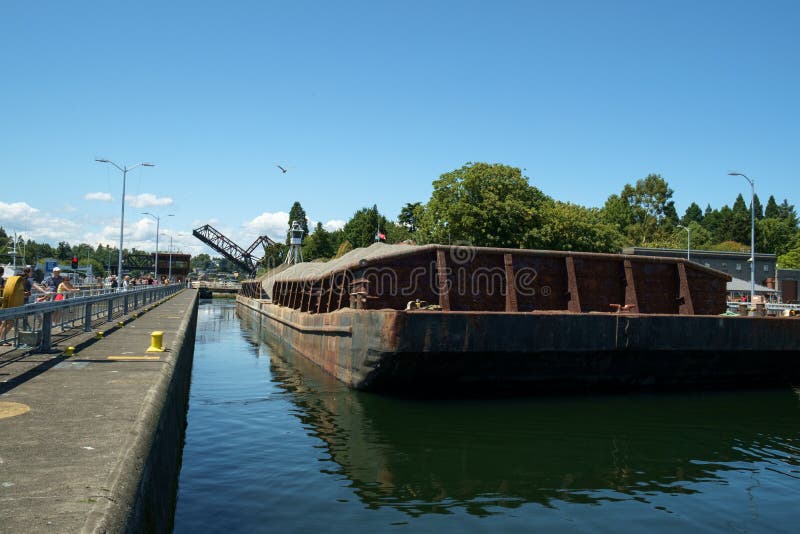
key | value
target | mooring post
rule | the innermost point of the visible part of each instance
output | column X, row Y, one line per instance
column 441, row 280
column 511, row 286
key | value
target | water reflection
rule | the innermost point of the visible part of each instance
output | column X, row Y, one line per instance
column 485, row 457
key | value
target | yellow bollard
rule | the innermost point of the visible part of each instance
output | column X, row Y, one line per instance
column 98, row 335
column 70, row 351
column 156, row 341
column 120, row 324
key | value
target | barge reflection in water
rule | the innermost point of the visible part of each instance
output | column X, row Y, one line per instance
column 319, row 455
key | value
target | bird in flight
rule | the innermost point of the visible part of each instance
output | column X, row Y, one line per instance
column 281, row 168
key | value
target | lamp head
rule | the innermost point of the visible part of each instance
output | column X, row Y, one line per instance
column 148, row 164
column 101, row 160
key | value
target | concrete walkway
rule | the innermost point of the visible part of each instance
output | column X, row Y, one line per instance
column 92, row 442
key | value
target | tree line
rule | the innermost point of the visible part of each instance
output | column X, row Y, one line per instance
column 494, row 205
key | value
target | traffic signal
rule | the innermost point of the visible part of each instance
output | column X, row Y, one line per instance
column 74, row 262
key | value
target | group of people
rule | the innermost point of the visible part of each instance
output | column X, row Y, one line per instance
column 54, row 287
column 128, row 281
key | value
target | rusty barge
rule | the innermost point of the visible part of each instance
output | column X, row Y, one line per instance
column 404, row 318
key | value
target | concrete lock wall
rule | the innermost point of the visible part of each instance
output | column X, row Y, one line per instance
column 144, row 490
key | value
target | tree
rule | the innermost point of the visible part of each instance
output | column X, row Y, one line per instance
column 790, row 260
column 787, row 213
column 740, row 221
column 360, row 230
column 201, row 262
column 274, row 255
column 693, row 213
column 759, row 209
column 483, row 204
column 774, row 236
column 318, row 245
column 650, row 208
column 569, row 226
column 297, row 213
column 409, row 216
column 64, row 251
column 772, row 211
column 343, row 249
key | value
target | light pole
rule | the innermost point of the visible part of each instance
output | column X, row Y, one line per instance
column 169, row 275
column 688, row 240
column 752, row 183
column 124, row 169
column 158, row 223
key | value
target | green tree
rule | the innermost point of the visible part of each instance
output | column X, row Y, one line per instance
column 693, row 213
column 201, row 262
column 64, row 251
column 274, row 255
column 790, row 260
column 343, row 249
column 483, row 204
column 569, row 226
column 787, row 213
column 651, row 210
column 318, row 245
column 362, row 227
column 409, row 216
column 297, row 213
column 774, row 236
column 740, row 221
column 759, row 209
column 772, row 211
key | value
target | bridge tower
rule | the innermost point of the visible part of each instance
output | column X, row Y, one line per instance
column 295, row 254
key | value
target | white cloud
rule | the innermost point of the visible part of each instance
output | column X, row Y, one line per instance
column 103, row 197
column 147, row 200
column 271, row 224
column 334, row 224
column 17, row 214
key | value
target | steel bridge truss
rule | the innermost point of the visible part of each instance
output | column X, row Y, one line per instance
column 240, row 257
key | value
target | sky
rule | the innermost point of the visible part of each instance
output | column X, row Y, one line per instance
column 368, row 102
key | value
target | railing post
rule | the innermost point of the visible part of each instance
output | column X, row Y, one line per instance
column 110, row 309
column 47, row 326
column 125, row 305
column 87, row 318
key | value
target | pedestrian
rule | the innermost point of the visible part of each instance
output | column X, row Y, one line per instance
column 114, row 283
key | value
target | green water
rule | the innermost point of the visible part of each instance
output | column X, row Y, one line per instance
column 274, row 445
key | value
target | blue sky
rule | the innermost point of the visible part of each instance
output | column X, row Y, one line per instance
column 369, row 102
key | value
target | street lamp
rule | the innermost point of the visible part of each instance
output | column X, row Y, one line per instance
column 752, row 183
column 688, row 240
column 169, row 275
column 124, row 169
column 158, row 223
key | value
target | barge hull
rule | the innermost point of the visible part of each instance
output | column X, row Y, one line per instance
column 418, row 351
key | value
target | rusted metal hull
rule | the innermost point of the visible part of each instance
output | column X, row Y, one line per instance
column 420, row 351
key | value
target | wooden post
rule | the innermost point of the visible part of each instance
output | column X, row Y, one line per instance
column 631, row 298
column 441, row 280
column 330, row 293
column 574, row 303
column 511, row 286
column 341, row 290
column 686, row 306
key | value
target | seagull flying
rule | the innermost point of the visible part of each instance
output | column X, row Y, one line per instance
column 281, row 168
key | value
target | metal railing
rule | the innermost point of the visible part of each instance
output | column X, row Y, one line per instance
column 33, row 325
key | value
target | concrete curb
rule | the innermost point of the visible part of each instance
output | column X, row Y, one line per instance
column 143, row 486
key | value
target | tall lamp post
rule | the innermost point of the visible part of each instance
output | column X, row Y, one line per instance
column 158, row 223
column 124, row 169
column 752, row 183
column 169, row 274
column 688, row 241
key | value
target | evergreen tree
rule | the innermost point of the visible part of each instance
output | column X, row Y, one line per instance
column 758, row 208
column 693, row 213
column 297, row 213
column 740, row 221
column 771, row 211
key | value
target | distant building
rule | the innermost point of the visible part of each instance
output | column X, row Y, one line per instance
column 788, row 284
column 736, row 264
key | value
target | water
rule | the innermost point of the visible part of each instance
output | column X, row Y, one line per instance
column 274, row 445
